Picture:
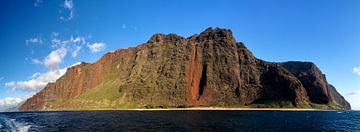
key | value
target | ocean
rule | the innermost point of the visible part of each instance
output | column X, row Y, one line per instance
column 183, row 120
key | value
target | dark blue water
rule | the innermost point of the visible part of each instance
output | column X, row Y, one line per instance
column 181, row 121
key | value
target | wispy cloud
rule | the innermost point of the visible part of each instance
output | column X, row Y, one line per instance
column 80, row 40
column 67, row 10
column 96, row 47
column 353, row 98
column 52, row 61
column 124, row 26
column 354, row 93
column 75, row 51
column 73, row 45
column 69, row 7
column 356, row 70
column 60, row 49
column 2, row 78
column 56, row 42
column 36, row 61
column 35, row 40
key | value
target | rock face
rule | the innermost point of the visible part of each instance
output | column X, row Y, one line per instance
column 209, row 69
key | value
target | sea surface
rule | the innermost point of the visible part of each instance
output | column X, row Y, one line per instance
column 192, row 120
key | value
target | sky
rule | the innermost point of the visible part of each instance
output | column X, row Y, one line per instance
column 39, row 39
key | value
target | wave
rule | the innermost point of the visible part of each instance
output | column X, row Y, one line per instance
column 12, row 125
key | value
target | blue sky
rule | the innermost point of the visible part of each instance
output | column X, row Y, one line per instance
column 40, row 38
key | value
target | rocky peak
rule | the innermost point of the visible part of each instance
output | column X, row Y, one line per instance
column 165, row 38
column 216, row 34
column 296, row 67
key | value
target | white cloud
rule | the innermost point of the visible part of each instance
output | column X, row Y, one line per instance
column 356, row 70
column 36, row 61
column 55, row 58
column 78, row 40
column 69, row 6
column 37, row 40
column 37, row 82
column 96, row 47
column 11, row 102
column 75, row 51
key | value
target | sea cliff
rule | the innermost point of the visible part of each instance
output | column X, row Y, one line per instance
column 206, row 69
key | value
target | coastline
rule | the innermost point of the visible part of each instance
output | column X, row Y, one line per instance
column 184, row 109
column 226, row 109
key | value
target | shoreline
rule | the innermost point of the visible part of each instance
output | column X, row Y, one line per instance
column 186, row 109
column 225, row 109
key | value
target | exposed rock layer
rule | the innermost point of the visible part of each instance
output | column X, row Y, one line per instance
column 206, row 69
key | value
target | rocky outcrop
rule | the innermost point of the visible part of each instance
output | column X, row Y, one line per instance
column 202, row 70
column 315, row 83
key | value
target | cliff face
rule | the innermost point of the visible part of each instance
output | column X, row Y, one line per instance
column 203, row 70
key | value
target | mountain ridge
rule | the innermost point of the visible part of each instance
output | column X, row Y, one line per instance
column 205, row 69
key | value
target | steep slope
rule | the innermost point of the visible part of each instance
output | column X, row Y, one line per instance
column 203, row 70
